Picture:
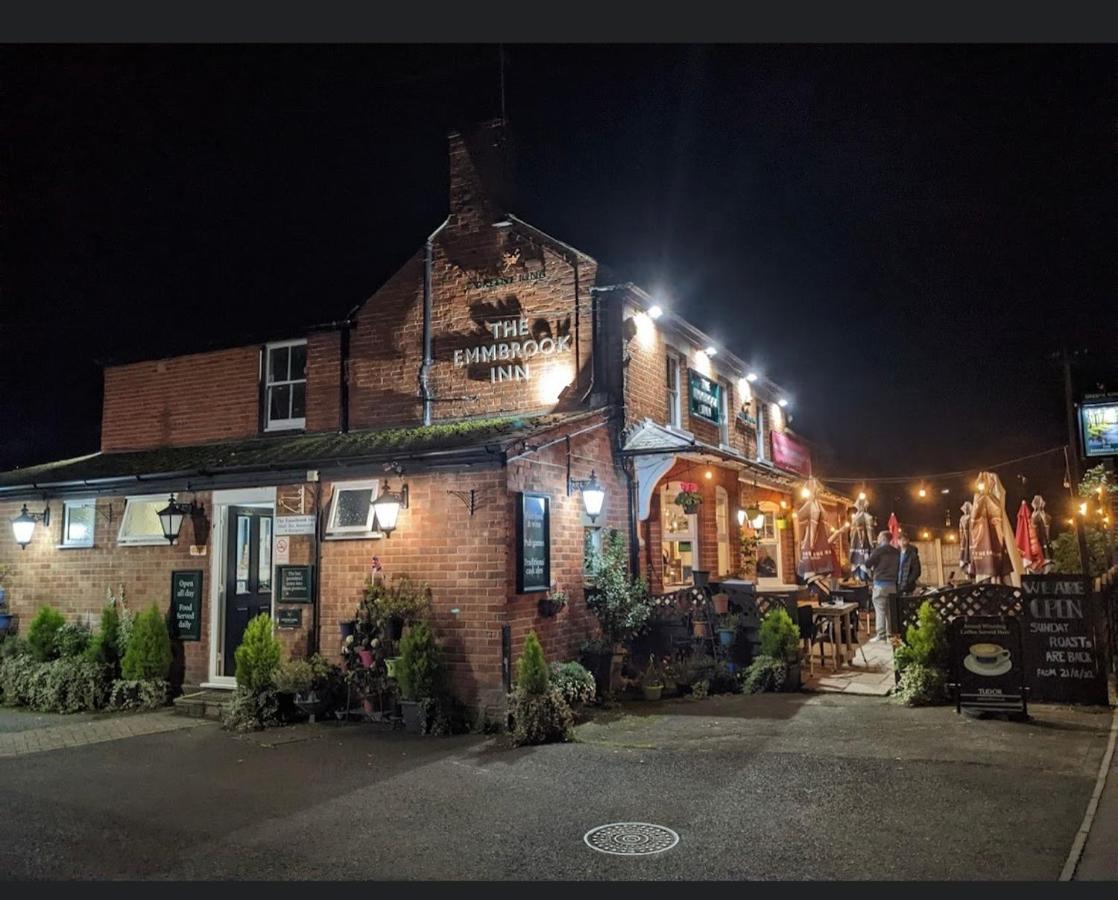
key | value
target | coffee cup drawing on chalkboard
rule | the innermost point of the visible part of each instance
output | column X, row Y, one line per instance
column 990, row 660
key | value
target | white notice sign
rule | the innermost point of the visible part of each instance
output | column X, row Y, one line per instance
column 281, row 555
column 295, row 524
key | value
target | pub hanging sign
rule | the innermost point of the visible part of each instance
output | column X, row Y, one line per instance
column 533, row 543
column 706, row 398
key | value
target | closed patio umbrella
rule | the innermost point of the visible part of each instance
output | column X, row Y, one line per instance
column 993, row 546
column 816, row 556
column 1026, row 539
column 894, row 529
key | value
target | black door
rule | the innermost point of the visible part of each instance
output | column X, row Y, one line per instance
column 248, row 575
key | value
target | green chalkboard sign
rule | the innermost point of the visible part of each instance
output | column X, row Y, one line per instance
column 296, row 584
column 706, row 398
column 533, row 544
column 289, row 618
column 186, row 605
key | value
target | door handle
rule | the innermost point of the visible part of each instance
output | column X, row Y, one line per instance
column 242, row 609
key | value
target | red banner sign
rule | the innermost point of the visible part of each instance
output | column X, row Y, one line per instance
column 790, row 454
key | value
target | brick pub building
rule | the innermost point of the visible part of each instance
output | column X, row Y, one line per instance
column 492, row 373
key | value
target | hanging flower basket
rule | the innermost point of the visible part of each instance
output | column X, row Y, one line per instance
column 689, row 497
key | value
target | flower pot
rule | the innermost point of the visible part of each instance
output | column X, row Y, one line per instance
column 413, row 718
column 726, row 636
column 311, row 703
column 701, row 577
column 721, row 603
column 394, row 628
column 792, row 677
column 367, row 705
column 547, row 607
column 366, row 657
column 347, row 628
column 699, row 629
column 390, row 665
column 5, row 621
column 652, row 691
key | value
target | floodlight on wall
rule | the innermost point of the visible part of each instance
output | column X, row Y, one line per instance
column 655, row 311
column 23, row 525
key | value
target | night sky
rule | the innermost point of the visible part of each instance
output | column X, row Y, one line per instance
column 899, row 235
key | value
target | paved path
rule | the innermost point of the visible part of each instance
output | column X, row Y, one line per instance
column 41, row 737
column 1099, row 861
column 828, row 786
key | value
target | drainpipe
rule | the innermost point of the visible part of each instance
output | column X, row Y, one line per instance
column 343, row 376
column 425, row 366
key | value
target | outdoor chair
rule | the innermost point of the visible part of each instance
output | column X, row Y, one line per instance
column 812, row 634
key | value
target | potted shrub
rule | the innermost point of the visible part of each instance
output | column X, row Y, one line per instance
column 619, row 602
column 780, row 640
column 652, row 680
column 537, row 710
column 575, row 684
column 397, row 602
column 420, row 674
column 728, row 629
column 689, row 497
column 721, row 603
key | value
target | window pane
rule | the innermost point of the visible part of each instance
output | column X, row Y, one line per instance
column 279, row 407
column 244, row 524
column 79, row 524
column 299, row 400
column 352, row 509
column 277, row 366
column 298, row 362
column 264, row 558
column 143, row 520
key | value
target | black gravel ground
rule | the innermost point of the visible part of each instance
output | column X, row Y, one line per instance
column 769, row 787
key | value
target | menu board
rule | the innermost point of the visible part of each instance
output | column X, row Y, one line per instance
column 289, row 618
column 1065, row 661
column 296, row 584
column 186, row 605
column 533, row 543
column 988, row 664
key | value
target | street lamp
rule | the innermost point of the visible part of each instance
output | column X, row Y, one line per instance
column 387, row 507
column 23, row 525
column 593, row 494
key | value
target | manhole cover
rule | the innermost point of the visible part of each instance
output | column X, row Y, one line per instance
column 631, row 838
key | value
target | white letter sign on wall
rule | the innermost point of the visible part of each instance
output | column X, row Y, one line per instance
column 513, row 346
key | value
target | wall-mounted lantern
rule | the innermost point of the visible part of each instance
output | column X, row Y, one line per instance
column 23, row 525
column 756, row 517
column 593, row 494
column 171, row 516
column 387, row 507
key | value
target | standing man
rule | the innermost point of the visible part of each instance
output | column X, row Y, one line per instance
column 884, row 562
column 908, row 565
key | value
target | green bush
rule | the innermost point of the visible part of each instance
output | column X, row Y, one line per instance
column 420, row 672
column 148, row 657
column 138, row 694
column 12, row 646
column 1065, row 551
column 532, row 674
column 620, row 603
column 925, row 642
column 540, row 718
column 574, row 682
column 765, row 673
column 780, row 636
column 294, row 676
column 105, row 646
column 72, row 639
column 251, row 710
column 66, row 685
column 922, row 685
column 42, row 633
column 258, row 657
column 16, row 674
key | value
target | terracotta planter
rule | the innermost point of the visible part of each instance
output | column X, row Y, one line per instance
column 721, row 603
column 699, row 629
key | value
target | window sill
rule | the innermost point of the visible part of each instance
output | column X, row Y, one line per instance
column 286, row 427
column 161, row 542
column 364, row 536
column 74, row 546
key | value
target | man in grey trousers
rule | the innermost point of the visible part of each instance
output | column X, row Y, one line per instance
column 884, row 562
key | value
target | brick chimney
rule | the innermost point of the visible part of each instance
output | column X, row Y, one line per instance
column 478, row 176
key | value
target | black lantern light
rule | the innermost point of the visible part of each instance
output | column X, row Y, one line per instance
column 23, row 525
column 387, row 507
column 171, row 516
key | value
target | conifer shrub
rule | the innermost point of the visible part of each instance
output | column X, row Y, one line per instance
column 780, row 636
column 538, row 712
column 148, row 657
column 258, row 657
column 42, row 633
column 420, row 672
column 105, row 646
column 532, row 675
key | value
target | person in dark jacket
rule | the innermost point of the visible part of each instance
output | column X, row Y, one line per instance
column 884, row 562
column 908, row 565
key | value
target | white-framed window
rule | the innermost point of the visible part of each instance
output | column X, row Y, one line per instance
column 761, row 435
column 722, row 528
column 776, row 417
column 285, row 385
column 679, row 537
column 770, row 563
column 78, row 520
column 139, row 526
column 351, row 510
column 675, row 409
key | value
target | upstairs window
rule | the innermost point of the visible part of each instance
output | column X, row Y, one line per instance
column 140, row 525
column 724, row 414
column 675, row 417
column 285, row 381
column 78, row 519
column 351, row 510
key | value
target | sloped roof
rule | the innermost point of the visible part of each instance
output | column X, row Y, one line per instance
column 482, row 437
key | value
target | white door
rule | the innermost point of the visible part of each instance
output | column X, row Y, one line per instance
column 770, row 562
column 679, row 538
column 722, row 525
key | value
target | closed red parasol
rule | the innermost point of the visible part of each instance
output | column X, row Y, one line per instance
column 894, row 529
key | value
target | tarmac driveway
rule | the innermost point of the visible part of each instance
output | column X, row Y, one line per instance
column 768, row 787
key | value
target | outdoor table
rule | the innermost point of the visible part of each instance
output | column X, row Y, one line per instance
column 839, row 614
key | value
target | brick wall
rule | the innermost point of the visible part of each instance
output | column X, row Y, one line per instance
column 185, row 400
column 324, row 381
column 75, row 580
